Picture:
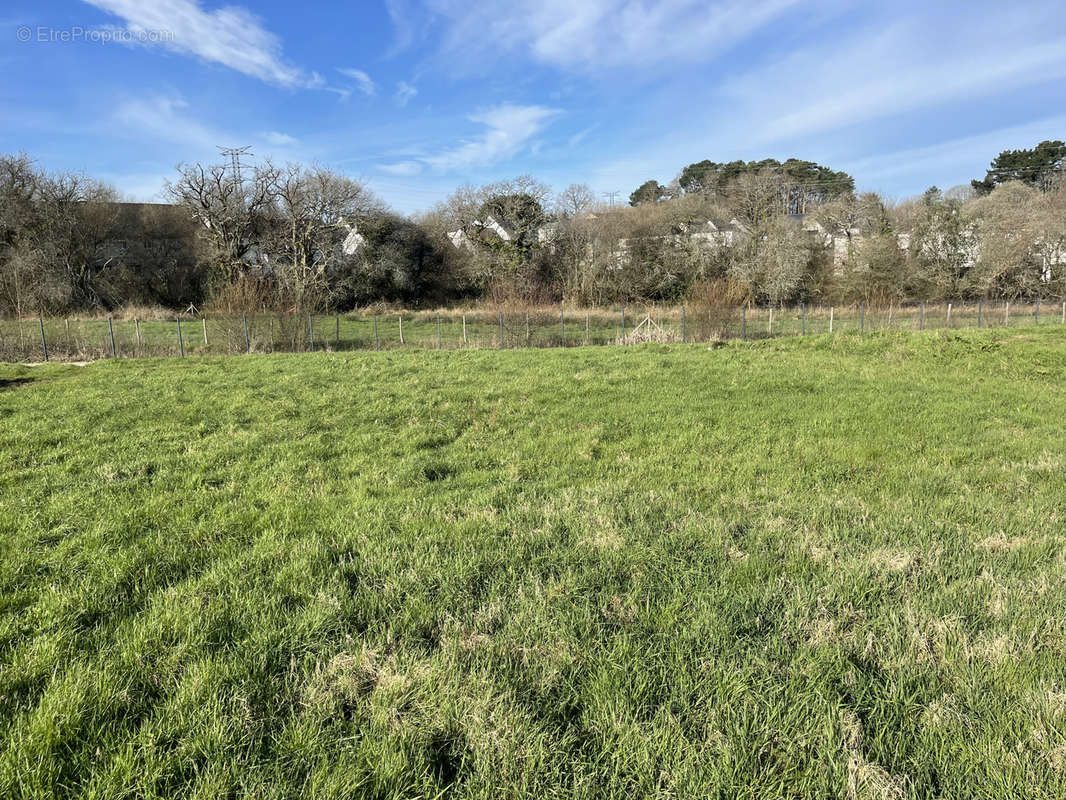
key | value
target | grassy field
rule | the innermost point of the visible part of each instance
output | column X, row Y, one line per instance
column 818, row 567
column 154, row 332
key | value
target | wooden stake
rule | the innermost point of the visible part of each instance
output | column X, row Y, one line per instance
column 401, row 328
column 770, row 324
column 464, row 328
column 949, row 315
column 830, row 319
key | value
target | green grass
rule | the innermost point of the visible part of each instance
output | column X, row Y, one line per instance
column 819, row 567
column 450, row 329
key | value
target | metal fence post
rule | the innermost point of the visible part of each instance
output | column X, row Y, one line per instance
column 181, row 342
column 137, row 333
column 377, row 342
column 401, row 329
column 206, row 343
column 111, row 333
column 684, row 321
column 501, row 329
column 464, row 329
column 948, row 321
column 247, row 338
column 44, row 341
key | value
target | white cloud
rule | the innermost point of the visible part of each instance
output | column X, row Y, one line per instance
column 279, row 139
column 509, row 129
column 897, row 70
column 230, row 36
column 402, row 168
column 163, row 118
column 600, row 34
column 949, row 161
column 404, row 93
column 362, row 81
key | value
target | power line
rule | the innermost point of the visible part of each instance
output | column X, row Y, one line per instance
column 611, row 196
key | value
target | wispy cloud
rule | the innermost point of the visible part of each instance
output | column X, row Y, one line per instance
column 402, row 168
column 279, row 139
column 363, row 81
column 600, row 34
column 164, row 118
column 893, row 71
column 508, row 129
column 947, row 161
column 404, row 93
column 231, row 36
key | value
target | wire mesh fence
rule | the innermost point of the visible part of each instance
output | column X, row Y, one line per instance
column 72, row 339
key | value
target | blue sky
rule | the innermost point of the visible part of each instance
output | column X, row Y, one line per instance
column 418, row 97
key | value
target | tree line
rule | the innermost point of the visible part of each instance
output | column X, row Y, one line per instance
column 297, row 238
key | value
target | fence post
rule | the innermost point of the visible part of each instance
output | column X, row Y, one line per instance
column 744, row 324
column 137, row 332
column 770, row 324
column 623, row 324
column 181, row 342
column 44, row 341
column 587, row 325
column 401, row 329
column 204, row 320
column 247, row 338
column 464, row 329
column 684, row 329
column 862, row 317
column 111, row 333
column 1006, row 313
column 377, row 342
column 311, row 332
column 1036, row 314
column 1064, row 312
column 980, row 310
column 803, row 319
column 562, row 325
column 501, row 329
column 440, row 342
column 921, row 315
column 948, row 322
column 830, row 319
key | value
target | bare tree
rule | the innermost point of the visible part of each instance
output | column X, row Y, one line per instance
column 314, row 226
column 575, row 200
column 232, row 210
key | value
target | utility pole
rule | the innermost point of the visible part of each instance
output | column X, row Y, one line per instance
column 611, row 196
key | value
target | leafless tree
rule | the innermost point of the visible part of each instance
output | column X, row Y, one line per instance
column 575, row 200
